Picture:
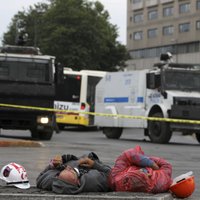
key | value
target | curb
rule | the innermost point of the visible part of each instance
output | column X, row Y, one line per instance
column 33, row 193
column 20, row 143
column 132, row 196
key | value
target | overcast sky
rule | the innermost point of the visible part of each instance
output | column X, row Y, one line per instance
column 116, row 9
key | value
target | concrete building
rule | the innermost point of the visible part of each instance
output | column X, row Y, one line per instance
column 159, row 26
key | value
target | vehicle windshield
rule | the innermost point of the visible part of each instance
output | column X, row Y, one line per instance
column 70, row 89
column 182, row 79
column 33, row 72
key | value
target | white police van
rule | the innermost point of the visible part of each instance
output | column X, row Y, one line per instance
column 168, row 91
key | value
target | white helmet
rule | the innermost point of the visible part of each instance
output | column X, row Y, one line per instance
column 15, row 174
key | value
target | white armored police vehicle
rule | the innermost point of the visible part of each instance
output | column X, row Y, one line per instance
column 169, row 90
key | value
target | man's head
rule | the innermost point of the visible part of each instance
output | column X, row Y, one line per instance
column 69, row 175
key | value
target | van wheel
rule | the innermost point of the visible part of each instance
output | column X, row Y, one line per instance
column 112, row 133
column 197, row 136
column 159, row 131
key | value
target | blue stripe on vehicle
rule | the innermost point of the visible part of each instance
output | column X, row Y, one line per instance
column 140, row 99
column 116, row 100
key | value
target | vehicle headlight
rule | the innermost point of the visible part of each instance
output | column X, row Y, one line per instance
column 43, row 120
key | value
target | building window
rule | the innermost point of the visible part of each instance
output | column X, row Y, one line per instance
column 198, row 25
column 152, row 14
column 189, row 47
column 184, row 27
column 155, row 52
column 198, row 4
column 138, row 35
column 184, row 8
column 168, row 30
column 168, row 11
column 152, row 33
column 137, row 1
column 138, row 18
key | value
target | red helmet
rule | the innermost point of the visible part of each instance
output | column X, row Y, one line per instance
column 183, row 188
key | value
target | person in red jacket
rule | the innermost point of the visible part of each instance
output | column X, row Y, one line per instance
column 135, row 172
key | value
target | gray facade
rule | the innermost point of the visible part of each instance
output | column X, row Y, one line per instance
column 159, row 26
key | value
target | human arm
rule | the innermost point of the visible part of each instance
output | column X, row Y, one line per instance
column 139, row 160
column 60, row 161
column 162, row 177
column 94, row 164
column 56, row 161
column 96, row 179
column 163, row 165
column 143, row 161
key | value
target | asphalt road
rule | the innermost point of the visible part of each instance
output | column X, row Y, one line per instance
column 182, row 151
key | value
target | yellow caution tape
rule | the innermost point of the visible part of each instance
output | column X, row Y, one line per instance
column 104, row 114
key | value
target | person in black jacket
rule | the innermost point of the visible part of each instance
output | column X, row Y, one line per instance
column 68, row 174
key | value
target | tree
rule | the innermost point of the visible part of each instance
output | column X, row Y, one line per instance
column 77, row 32
column 29, row 22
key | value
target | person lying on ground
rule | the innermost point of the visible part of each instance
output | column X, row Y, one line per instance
column 135, row 172
column 68, row 174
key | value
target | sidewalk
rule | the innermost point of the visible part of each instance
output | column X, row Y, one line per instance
column 12, row 193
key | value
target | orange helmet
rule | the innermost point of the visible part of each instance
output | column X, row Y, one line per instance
column 183, row 188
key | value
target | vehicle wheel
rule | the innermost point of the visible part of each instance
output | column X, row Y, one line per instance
column 198, row 137
column 113, row 133
column 42, row 134
column 46, row 134
column 159, row 132
column 34, row 134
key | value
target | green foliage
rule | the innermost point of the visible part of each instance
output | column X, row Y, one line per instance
column 77, row 32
